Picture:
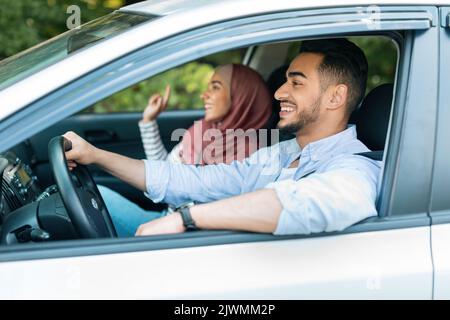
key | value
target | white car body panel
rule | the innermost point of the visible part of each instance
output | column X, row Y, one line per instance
column 188, row 16
column 392, row 264
column 440, row 238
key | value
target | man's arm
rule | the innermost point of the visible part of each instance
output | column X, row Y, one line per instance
column 257, row 211
column 162, row 180
column 323, row 202
column 129, row 170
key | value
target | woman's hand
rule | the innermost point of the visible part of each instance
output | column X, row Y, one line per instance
column 156, row 105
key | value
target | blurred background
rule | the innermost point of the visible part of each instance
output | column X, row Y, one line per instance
column 25, row 23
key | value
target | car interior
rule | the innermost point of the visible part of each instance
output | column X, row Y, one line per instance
column 31, row 207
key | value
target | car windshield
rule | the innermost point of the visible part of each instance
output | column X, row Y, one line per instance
column 31, row 61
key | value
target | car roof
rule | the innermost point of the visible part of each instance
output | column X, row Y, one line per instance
column 169, row 7
column 166, row 7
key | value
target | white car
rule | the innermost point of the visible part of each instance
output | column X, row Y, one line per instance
column 45, row 251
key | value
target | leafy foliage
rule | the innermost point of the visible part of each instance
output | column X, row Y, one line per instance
column 187, row 82
column 25, row 23
column 381, row 55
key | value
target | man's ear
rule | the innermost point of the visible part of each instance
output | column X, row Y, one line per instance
column 338, row 97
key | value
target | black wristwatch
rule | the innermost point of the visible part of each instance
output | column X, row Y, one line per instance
column 188, row 222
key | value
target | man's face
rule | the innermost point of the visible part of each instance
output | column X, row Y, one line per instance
column 300, row 96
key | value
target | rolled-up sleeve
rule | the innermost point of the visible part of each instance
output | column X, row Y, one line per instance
column 157, row 174
column 329, row 201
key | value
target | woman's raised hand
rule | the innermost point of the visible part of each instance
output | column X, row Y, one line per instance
column 156, row 105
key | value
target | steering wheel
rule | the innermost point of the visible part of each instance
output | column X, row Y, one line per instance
column 79, row 193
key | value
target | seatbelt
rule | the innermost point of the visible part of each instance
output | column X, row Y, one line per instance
column 374, row 155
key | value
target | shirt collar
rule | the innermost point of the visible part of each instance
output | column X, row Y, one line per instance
column 323, row 148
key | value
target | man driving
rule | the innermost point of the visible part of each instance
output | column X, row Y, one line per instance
column 315, row 182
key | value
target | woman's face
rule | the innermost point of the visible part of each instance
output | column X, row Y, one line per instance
column 217, row 99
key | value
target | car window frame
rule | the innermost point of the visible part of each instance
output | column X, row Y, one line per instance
column 404, row 193
column 129, row 73
column 440, row 200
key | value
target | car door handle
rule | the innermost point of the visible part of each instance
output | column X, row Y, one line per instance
column 100, row 136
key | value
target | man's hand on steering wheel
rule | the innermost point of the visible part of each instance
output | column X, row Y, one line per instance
column 82, row 152
column 78, row 190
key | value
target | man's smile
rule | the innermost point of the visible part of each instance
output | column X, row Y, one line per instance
column 286, row 108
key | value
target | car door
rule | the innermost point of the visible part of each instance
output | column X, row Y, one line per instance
column 384, row 257
column 440, row 203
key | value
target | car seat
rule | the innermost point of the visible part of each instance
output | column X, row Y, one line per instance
column 372, row 119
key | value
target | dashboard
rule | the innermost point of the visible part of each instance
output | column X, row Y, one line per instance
column 31, row 206
column 28, row 213
column 19, row 186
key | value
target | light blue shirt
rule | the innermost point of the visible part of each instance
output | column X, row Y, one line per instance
column 338, row 187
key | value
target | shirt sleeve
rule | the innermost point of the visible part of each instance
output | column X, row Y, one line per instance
column 151, row 140
column 176, row 183
column 330, row 201
column 174, row 155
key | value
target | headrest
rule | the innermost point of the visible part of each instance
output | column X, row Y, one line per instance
column 372, row 118
column 277, row 78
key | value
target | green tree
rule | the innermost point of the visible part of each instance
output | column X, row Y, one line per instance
column 380, row 53
column 25, row 23
column 187, row 81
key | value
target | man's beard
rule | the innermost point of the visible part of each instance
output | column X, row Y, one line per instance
column 305, row 118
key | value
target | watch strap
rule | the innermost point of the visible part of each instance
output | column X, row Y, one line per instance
column 188, row 222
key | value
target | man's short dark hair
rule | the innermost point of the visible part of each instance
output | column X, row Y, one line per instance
column 343, row 62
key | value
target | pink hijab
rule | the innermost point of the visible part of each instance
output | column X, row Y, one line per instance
column 236, row 136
